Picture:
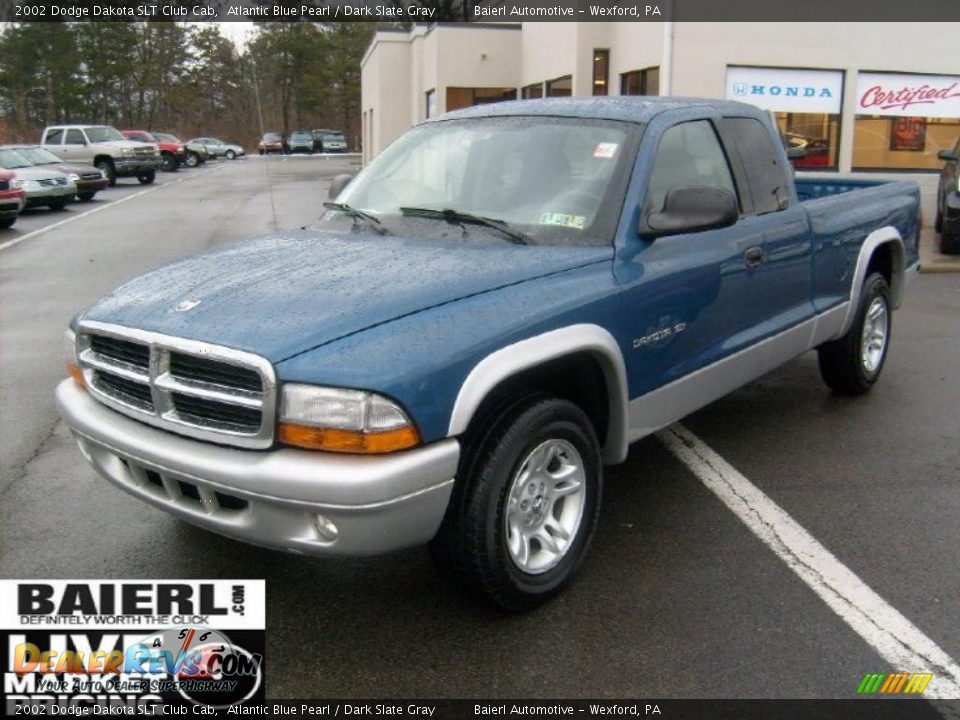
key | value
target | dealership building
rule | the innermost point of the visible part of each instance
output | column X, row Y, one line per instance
column 856, row 96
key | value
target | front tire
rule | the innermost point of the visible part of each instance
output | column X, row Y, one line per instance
column 169, row 162
column 85, row 197
column 7, row 222
column 58, row 204
column 852, row 364
column 949, row 244
column 526, row 504
column 192, row 159
column 230, row 155
column 106, row 167
column 147, row 178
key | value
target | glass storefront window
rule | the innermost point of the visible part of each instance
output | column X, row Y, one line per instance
column 601, row 71
column 461, row 97
column 641, row 82
column 531, row 92
column 904, row 120
column 817, row 133
column 561, row 87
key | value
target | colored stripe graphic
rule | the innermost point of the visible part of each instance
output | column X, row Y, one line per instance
column 894, row 683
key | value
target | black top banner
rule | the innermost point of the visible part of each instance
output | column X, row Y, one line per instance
column 433, row 11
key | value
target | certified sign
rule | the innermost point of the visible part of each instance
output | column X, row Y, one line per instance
column 908, row 95
column 807, row 91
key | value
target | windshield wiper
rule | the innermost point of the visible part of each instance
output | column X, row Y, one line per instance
column 456, row 216
column 372, row 220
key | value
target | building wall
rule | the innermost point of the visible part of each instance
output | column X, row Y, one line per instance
column 400, row 68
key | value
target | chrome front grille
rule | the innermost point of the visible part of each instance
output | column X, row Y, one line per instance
column 144, row 151
column 188, row 387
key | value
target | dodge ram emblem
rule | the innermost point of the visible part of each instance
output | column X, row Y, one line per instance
column 188, row 304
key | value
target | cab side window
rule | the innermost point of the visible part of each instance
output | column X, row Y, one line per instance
column 54, row 136
column 74, row 137
column 764, row 174
column 688, row 154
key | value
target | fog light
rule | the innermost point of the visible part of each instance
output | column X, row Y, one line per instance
column 325, row 527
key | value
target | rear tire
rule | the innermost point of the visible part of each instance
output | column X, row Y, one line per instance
column 526, row 504
column 852, row 364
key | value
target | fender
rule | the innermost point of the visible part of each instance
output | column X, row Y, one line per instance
column 528, row 353
column 886, row 234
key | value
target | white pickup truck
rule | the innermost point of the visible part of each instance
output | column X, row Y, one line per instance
column 104, row 147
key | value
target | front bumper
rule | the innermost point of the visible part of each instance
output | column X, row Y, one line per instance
column 46, row 194
column 135, row 165
column 91, row 186
column 269, row 498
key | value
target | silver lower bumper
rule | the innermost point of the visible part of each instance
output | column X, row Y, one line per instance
column 285, row 499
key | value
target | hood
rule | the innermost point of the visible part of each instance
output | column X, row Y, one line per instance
column 69, row 168
column 283, row 294
column 38, row 172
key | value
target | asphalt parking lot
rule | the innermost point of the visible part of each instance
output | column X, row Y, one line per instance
column 679, row 597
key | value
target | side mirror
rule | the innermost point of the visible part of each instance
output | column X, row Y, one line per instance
column 796, row 153
column 691, row 209
column 338, row 184
column 947, row 155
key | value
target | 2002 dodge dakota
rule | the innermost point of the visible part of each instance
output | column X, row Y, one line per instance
column 494, row 309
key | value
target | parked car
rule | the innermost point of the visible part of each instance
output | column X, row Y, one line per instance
column 219, row 148
column 88, row 179
column 948, row 201
column 12, row 199
column 271, row 142
column 104, row 147
column 172, row 153
column 814, row 152
column 43, row 186
column 328, row 141
column 195, row 154
column 300, row 142
column 497, row 305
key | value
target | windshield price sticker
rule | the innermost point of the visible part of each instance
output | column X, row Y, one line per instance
column 83, row 646
column 563, row 219
column 605, row 150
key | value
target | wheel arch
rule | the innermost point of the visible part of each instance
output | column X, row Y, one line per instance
column 103, row 156
column 535, row 357
column 882, row 251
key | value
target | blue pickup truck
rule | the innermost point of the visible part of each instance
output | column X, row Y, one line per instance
column 481, row 320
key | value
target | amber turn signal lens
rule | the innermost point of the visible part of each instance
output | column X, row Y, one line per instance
column 77, row 374
column 348, row 441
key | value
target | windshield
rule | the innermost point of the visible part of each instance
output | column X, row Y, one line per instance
column 12, row 159
column 547, row 178
column 301, row 136
column 38, row 156
column 271, row 137
column 103, row 134
column 166, row 137
column 333, row 137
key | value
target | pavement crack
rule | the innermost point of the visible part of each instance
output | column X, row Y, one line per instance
column 22, row 469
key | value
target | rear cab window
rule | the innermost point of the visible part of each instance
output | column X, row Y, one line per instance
column 757, row 164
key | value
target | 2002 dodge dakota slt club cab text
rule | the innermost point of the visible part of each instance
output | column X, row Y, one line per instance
column 490, row 312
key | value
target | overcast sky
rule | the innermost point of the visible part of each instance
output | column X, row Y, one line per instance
column 238, row 32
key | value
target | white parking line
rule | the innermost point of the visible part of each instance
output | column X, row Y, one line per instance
column 111, row 203
column 894, row 637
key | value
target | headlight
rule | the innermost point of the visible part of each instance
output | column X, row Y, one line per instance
column 347, row 421
column 73, row 177
column 70, row 357
column 179, row 148
column 126, row 152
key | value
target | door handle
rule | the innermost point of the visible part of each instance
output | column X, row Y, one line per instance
column 753, row 256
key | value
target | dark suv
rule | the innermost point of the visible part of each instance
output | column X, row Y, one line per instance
column 948, row 201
